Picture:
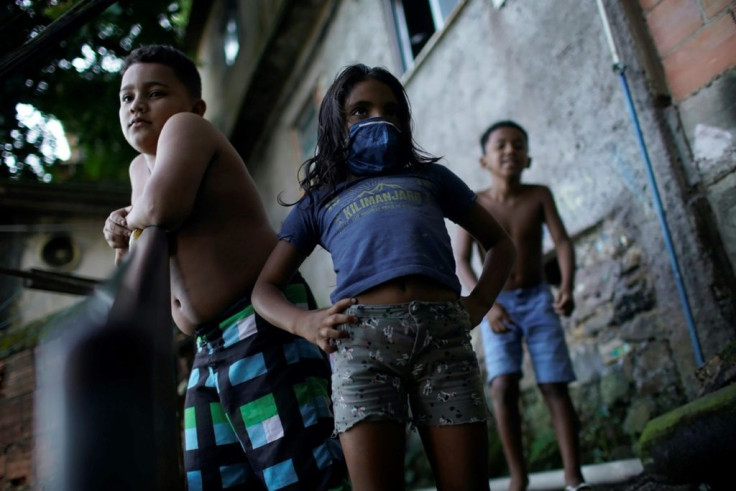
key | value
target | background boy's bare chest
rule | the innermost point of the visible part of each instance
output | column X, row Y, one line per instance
column 521, row 217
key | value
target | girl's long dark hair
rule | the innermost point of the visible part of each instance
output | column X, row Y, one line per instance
column 328, row 167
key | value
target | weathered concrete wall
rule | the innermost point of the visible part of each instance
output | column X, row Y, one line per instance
column 223, row 86
column 94, row 260
column 11, row 249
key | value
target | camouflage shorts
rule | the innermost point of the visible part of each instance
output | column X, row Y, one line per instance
column 415, row 356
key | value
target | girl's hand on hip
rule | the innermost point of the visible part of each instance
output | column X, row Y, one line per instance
column 320, row 326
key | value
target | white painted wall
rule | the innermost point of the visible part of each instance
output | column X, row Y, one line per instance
column 95, row 261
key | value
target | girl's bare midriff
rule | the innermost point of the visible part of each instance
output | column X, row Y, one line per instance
column 407, row 289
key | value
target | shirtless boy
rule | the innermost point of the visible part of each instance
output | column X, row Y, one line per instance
column 526, row 308
column 257, row 410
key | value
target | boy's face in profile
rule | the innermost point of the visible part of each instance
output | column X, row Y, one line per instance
column 506, row 152
column 150, row 93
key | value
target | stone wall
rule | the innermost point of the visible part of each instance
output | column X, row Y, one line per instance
column 694, row 41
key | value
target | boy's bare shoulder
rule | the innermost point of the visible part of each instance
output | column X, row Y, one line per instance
column 195, row 137
column 198, row 138
column 536, row 188
column 483, row 194
column 536, row 191
column 187, row 118
column 138, row 170
column 187, row 123
column 526, row 192
column 139, row 162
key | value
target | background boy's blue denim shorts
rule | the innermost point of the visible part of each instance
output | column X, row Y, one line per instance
column 537, row 323
column 416, row 355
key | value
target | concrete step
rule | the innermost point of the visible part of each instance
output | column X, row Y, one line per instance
column 607, row 473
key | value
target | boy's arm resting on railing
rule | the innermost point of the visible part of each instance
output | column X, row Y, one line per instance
column 116, row 230
column 169, row 187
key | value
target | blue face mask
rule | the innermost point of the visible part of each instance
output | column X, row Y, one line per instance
column 374, row 146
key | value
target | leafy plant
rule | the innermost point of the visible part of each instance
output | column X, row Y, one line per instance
column 74, row 80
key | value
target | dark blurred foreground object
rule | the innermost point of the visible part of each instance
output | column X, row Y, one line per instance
column 694, row 443
column 106, row 410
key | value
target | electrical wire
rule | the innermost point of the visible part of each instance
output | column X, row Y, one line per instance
column 47, row 227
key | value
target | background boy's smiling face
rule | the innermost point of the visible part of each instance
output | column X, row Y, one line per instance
column 150, row 93
column 506, row 152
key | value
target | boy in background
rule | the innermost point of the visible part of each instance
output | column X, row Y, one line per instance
column 257, row 412
column 525, row 309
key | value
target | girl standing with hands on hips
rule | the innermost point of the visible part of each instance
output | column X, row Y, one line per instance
column 398, row 325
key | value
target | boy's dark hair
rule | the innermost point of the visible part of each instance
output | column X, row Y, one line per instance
column 184, row 68
column 506, row 123
column 328, row 167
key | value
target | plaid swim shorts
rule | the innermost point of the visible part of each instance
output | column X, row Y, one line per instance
column 257, row 411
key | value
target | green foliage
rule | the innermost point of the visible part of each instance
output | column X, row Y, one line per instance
column 497, row 466
column 602, row 435
column 76, row 81
column 543, row 452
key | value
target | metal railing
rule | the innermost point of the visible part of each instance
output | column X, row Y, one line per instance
column 106, row 407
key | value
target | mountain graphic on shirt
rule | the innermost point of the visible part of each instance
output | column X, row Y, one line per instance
column 379, row 188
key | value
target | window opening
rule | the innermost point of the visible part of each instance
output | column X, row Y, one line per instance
column 415, row 22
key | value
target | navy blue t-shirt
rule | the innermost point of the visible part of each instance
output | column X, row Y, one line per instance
column 383, row 227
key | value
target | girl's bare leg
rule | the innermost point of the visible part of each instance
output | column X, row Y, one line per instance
column 458, row 455
column 374, row 453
